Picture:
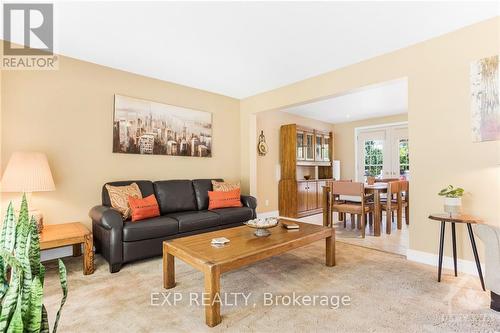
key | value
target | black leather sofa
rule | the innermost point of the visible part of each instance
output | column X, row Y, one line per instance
column 184, row 211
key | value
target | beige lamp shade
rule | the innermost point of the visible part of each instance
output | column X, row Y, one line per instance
column 27, row 172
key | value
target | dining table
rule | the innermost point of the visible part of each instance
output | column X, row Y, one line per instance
column 376, row 189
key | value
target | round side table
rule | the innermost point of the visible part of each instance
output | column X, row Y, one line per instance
column 458, row 218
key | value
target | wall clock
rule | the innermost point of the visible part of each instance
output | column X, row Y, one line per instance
column 262, row 145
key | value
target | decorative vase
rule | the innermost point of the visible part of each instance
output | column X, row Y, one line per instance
column 453, row 205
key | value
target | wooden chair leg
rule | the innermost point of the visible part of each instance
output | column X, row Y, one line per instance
column 362, row 222
column 400, row 218
column 353, row 221
column 392, row 215
column 370, row 218
column 407, row 214
column 358, row 218
column 388, row 222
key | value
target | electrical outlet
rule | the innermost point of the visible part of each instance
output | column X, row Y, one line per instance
column 266, row 202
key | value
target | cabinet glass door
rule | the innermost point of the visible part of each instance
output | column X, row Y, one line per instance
column 309, row 147
column 300, row 146
column 319, row 148
column 326, row 148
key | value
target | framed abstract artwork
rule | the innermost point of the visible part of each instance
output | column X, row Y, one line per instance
column 147, row 127
column 485, row 90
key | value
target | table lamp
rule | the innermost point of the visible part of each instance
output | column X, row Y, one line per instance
column 28, row 172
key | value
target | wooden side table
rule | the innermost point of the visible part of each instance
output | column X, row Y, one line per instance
column 459, row 218
column 75, row 233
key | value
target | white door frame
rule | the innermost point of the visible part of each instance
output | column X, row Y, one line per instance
column 362, row 128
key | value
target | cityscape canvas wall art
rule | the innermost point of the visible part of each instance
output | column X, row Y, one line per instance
column 146, row 127
column 485, row 90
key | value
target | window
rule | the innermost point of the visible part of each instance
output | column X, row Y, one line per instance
column 374, row 157
column 404, row 157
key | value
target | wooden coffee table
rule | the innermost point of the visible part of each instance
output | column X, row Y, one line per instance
column 244, row 249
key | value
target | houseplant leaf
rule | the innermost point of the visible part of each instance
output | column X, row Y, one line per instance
column 9, row 302
column 21, row 251
column 9, row 230
column 34, row 314
column 64, row 286
column 34, row 249
column 16, row 322
column 45, row 321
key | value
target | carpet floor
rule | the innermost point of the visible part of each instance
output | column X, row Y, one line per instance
column 386, row 293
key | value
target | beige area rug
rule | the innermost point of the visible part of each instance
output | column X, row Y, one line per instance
column 388, row 294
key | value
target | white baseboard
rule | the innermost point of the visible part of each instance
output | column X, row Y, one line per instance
column 464, row 266
column 273, row 213
column 60, row 252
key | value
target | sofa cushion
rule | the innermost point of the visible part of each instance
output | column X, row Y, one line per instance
column 224, row 199
column 144, row 208
column 150, row 228
column 201, row 188
column 145, row 186
column 234, row 215
column 196, row 220
column 225, row 186
column 175, row 196
column 119, row 195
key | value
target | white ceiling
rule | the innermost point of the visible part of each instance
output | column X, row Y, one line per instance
column 374, row 101
column 239, row 49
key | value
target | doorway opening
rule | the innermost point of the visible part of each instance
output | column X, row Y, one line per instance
column 370, row 139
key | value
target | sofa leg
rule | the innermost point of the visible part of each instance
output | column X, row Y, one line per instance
column 115, row 268
column 495, row 301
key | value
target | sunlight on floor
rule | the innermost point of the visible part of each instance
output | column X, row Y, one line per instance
column 396, row 242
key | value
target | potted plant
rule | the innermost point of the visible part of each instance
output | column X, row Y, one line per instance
column 22, row 276
column 452, row 198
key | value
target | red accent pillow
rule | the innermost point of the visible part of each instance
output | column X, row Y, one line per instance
column 218, row 199
column 143, row 208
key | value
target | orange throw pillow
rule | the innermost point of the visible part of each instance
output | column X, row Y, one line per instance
column 143, row 208
column 224, row 199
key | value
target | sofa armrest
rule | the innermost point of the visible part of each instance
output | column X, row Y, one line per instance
column 107, row 227
column 491, row 238
column 249, row 201
column 108, row 217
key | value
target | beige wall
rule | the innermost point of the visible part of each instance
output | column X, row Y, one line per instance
column 68, row 115
column 441, row 147
column 270, row 122
column 344, row 141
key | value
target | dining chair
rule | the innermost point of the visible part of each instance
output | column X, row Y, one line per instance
column 392, row 203
column 404, row 187
column 359, row 209
column 342, row 217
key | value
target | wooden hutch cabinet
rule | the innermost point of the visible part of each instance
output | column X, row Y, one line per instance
column 304, row 152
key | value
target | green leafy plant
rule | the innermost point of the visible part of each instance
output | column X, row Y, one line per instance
column 451, row 192
column 22, row 276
